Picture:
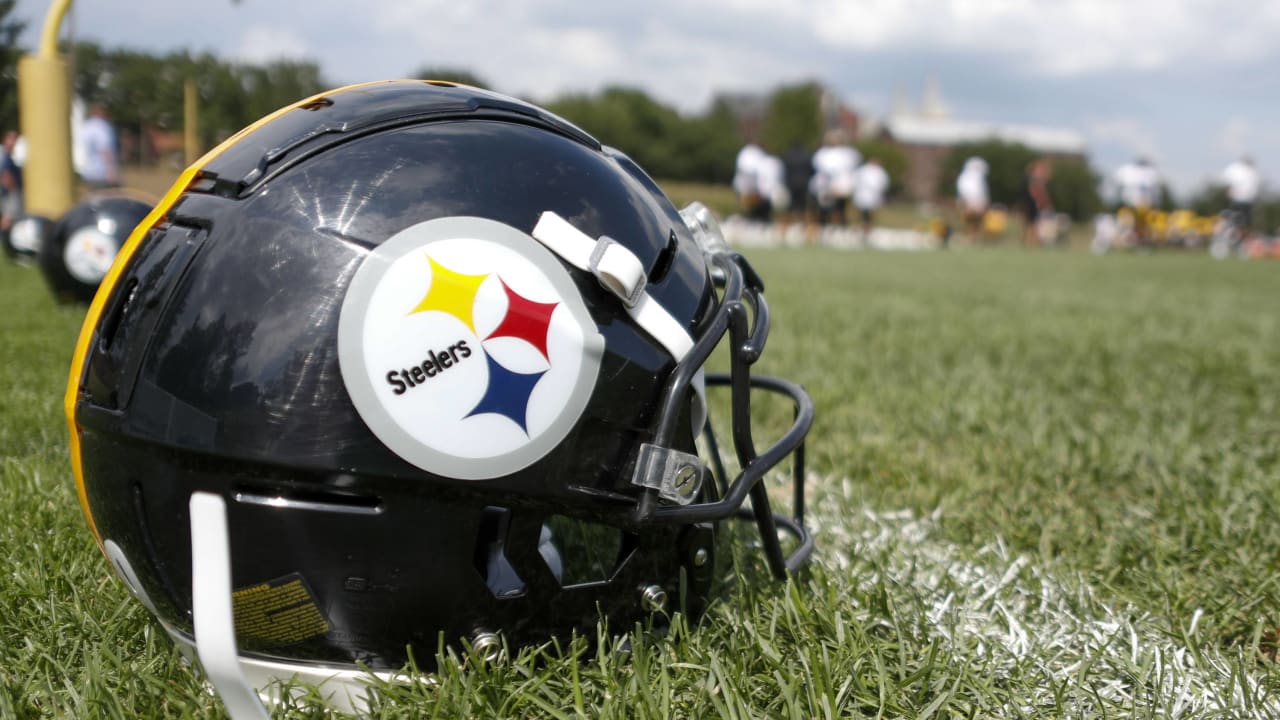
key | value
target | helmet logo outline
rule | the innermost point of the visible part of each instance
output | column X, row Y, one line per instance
column 436, row 295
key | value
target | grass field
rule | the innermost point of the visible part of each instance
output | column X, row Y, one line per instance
column 1044, row 484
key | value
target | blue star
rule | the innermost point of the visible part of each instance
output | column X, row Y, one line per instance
column 508, row 393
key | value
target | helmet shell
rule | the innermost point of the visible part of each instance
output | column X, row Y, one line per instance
column 212, row 364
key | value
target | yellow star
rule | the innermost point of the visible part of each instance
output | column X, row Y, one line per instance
column 451, row 292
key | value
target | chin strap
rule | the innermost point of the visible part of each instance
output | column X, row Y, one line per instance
column 620, row 272
column 215, row 630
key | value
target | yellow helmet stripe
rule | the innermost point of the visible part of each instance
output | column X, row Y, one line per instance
column 130, row 246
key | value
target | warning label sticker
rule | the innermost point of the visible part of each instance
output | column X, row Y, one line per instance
column 278, row 612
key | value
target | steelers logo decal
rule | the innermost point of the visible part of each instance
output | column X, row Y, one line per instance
column 466, row 348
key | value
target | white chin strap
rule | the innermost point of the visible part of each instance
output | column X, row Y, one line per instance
column 215, row 628
column 621, row 273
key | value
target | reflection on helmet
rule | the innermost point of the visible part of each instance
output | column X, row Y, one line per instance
column 435, row 358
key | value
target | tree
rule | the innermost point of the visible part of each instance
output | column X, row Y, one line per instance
column 665, row 143
column 1210, row 199
column 629, row 120
column 270, row 87
column 710, row 145
column 1006, row 165
column 453, row 75
column 891, row 157
column 1073, row 188
column 793, row 116
column 1073, row 185
column 144, row 92
column 1266, row 216
column 10, row 28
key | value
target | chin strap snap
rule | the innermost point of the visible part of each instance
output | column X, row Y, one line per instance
column 620, row 272
column 215, row 628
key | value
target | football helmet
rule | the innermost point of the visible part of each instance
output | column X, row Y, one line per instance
column 76, row 253
column 409, row 362
column 22, row 242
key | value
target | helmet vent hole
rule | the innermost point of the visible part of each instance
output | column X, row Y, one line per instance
column 112, row 322
column 441, row 83
column 585, row 552
column 317, row 104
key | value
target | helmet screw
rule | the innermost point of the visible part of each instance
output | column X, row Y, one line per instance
column 685, row 481
column 486, row 645
column 700, row 557
column 653, row 598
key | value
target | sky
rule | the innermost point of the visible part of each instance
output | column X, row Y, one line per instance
column 1191, row 84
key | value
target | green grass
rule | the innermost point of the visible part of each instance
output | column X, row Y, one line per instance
column 1044, row 485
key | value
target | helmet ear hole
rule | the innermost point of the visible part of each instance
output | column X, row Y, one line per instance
column 587, row 552
column 666, row 258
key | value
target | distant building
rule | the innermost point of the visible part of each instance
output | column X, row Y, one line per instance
column 927, row 134
column 749, row 109
column 836, row 115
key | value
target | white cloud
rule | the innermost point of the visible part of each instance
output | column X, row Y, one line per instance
column 1138, row 76
column 1234, row 138
column 1060, row 37
column 263, row 43
column 537, row 56
column 1123, row 138
column 1128, row 132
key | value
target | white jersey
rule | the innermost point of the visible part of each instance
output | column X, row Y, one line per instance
column 834, row 171
column 1139, row 185
column 971, row 187
column 872, row 183
column 100, row 145
column 771, row 180
column 747, row 169
column 1243, row 182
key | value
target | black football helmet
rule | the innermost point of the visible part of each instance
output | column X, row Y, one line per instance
column 23, row 239
column 76, row 253
column 408, row 361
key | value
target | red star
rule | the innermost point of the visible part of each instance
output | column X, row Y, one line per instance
column 527, row 320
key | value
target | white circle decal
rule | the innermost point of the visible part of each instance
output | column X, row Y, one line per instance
column 466, row 347
column 88, row 255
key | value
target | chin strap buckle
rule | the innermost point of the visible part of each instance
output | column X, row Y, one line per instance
column 676, row 475
column 618, row 270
